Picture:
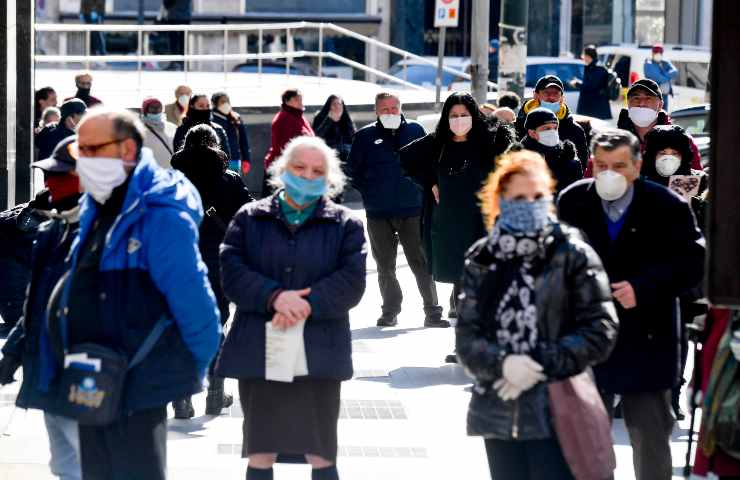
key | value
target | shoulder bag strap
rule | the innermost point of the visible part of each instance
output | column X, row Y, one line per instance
column 151, row 340
column 169, row 150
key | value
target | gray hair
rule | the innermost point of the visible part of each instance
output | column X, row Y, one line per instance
column 48, row 111
column 125, row 123
column 335, row 178
column 614, row 138
column 384, row 96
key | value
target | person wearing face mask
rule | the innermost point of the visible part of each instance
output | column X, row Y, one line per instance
column 549, row 94
column 560, row 155
column 83, row 82
column 661, row 72
column 236, row 132
column 569, row 321
column 134, row 272
column 159, row 133
column 393, row 207
column 52, row 242
column 176, row 110
column 49, row 137
column 287, row 124
column 593, row 100
column 199, row 113
column 653, row 252
column 450, row 165
column 306, row 282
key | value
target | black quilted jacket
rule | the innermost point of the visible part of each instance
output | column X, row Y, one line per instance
column 577, row 328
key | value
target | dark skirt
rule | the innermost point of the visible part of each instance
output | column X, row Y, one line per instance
column 290, row 418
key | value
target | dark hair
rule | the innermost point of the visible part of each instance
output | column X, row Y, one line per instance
column 289, row 94
column 41, row 94
column 443, row 134
column 216, row 97
column 345, row 122
column 201, row 136
column 660, row 138
column 591, row 51
column 509, row 99
column 613, row 139
column 195, row 98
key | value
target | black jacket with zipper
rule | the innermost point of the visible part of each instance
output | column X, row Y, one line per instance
column 577, row 328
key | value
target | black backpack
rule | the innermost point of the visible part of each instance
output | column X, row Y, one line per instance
column 613, row 85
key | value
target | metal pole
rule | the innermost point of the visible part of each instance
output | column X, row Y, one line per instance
column 321, row 51
column 513, row 41
column 479, row 49
column 440, row 61
column 141, row 12
column 87, row 50
column 288, row 49
column 226, row 50
column 185, row 53
column 259, row 59
column 139, row 49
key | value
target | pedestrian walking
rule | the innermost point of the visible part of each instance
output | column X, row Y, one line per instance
column 661, row 72
column 301, row 287
column 176, row 12
column 287, row 124
column 559, row 322
column 450, row 164
column 493, row 49
column 84, row 82
column 542, row 137
column 49, row 137
column 43, row 98
column 393, row 208
column 549, row 94
column 92, row 12
column 593, row 100
column 334, row 124
column 199, row 113
column 510, row 100
column 134, row 273
column 238, row 146
column 52, row 243
column 222, row 193
column 159, row 133
column 177, row 110
column 653, row 252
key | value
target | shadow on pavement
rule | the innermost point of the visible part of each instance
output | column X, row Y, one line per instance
column 185, row 429
column 375, row 333
column 420, row 377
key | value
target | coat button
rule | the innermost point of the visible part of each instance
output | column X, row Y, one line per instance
column 288, row 269
column 66, row 310
column 103, row 296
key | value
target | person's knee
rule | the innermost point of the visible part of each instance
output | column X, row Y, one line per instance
column 318, row 462
column 262, row 460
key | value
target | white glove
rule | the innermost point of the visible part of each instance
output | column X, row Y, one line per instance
column 522, row 371
column 735, row 344
column 506, row 390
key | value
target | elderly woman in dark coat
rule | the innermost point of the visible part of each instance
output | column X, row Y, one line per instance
column 535, row 306
column 307, row 273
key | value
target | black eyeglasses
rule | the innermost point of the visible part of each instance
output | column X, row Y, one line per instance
column 77, row 150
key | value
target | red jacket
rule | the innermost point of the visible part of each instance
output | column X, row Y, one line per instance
column 287, row 124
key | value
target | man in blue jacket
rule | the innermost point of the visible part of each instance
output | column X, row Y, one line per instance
column 661, row 72
column 393, row 207
column 135, row 261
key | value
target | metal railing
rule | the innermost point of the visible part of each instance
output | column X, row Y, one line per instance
column 143, row 55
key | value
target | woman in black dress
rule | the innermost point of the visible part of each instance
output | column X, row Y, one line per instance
column 294, row 264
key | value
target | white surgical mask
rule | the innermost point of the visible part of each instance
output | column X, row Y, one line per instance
column 658, row 57
column 666, row 165
column 461, row 125
column 611, row 185
column 642, row 117
column 225, row 108
column 100, row 175
column 391, row 122
column 183, row 100
column 549, row 138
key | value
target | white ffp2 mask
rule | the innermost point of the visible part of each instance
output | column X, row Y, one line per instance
column 642, row 117
column 100, row 175
column 667, row 165
column 549, row 138
column 391, row 122
column 611, row 185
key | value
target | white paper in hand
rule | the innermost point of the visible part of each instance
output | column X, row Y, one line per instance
column 284, row 353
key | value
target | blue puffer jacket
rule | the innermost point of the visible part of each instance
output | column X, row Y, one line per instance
column 151, row 266
column 375, row 169
column 326, row 253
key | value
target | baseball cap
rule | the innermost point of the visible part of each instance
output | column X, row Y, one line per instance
column 549, row 81
column 72, row 106
column 657, row 48
column 647, row 85
column 61, row 160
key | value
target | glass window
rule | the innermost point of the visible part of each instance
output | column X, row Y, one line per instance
column 306, row 6
column 696, row 124
column 564, row 71
column 692, row 74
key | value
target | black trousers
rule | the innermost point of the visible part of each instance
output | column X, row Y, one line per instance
column 527, row 460
column 134, row 447
column 385, row 235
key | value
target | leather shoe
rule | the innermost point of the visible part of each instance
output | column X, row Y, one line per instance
column 388, row 321
column 436, row 322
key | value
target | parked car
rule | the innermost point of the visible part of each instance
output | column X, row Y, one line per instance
column 275, row 66
column 695, row 120
column 628, row 62
column 424, row 74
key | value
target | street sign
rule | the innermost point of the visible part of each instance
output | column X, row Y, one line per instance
column 446, row 13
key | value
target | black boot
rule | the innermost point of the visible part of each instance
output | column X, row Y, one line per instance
column 184, row 408
column 217, row 400
column 328, row 473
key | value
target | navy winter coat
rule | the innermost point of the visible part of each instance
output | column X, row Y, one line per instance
column 374, row 166
column 660, row 251
column 237, row 136
column 594, row 98
column 260, row 255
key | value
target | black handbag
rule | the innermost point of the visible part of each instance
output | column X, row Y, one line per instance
column 91, row 385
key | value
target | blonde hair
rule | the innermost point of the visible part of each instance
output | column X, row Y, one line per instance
column 523, row 162
column 335, row 178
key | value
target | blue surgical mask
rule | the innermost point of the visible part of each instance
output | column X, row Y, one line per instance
column 523, row 216
column 154, row 117
column 302, row 190
column 554, row 107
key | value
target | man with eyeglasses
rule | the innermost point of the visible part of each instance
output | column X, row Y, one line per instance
column 134, row 264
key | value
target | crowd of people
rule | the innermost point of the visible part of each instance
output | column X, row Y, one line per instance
column 574, row 255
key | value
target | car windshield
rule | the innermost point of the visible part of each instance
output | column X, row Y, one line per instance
column 564, row 71
column 697, row 124
column 421, row 74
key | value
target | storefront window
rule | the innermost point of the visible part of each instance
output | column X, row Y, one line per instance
column 305, row 6
column 649, row 21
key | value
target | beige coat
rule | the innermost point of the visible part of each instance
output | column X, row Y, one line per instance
column 161, row 142
column 174, row 114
